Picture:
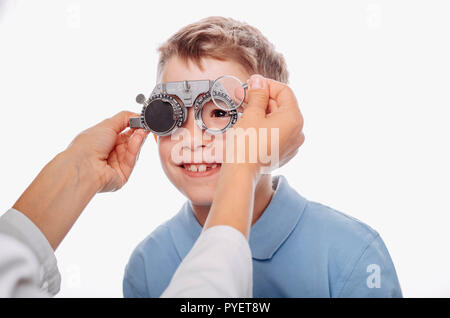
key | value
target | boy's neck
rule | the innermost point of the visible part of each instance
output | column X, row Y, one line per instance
column 263, row 195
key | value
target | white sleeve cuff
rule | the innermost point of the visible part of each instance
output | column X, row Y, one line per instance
column 218, row 265
column 19, row 270
column 17, row 225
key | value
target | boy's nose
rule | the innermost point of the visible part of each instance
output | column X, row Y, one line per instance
column 198, row 139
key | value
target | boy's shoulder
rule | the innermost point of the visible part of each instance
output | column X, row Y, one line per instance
column 354, row 255
column 331, row 225
column 338, row 238
column 172, row 239
column 293, row 223
column 158, row 241
column 151, row 264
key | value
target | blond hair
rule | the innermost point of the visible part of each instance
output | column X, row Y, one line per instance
column 225, row 39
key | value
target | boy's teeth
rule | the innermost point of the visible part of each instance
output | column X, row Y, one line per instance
column 192, row 168
column 199, row 167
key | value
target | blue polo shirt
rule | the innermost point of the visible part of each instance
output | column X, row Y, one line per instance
column 299, row 248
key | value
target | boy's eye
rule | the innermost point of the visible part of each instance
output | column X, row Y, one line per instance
column 213, row 117
column 218, row 113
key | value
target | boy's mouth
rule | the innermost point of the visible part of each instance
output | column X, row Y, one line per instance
column 200, row 169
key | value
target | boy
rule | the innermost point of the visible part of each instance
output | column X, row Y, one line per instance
column 299, row 248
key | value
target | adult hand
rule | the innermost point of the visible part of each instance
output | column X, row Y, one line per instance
column 272, row 105
column 111, row 151
column 99, row 159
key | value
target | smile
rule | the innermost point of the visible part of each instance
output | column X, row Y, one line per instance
column 200, row 169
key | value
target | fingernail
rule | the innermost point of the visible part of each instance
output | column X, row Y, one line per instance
column 257, row 82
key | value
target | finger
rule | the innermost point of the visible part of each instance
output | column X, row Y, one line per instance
column 258, row 95
column 120, row 121
column 123, row 137
column 134, row 146
column 295, row 146
column 273, row 106
column 239, row 94
column 136, row 141
column 245, row 102
column 282, row 94
column 278, row 92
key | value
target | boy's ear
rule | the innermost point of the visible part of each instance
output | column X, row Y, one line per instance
column 156, row 138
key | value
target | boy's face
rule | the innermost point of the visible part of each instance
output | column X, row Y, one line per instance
column 198, row 181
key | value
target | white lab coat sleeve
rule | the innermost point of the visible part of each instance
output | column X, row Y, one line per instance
column 218, row 265
column 19, row 270
column 19, row 234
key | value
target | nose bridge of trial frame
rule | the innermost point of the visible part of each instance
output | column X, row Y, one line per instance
column 187, row 91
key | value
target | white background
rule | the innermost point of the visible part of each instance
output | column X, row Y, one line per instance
column 372, row 78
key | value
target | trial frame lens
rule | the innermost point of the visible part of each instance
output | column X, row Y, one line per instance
column 228, row 92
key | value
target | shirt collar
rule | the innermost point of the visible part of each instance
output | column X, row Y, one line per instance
column 266, row 235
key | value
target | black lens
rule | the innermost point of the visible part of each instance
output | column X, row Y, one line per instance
column 159, row 116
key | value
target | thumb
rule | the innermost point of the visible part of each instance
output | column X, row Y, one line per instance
column 119, row 122
column 258, row 95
